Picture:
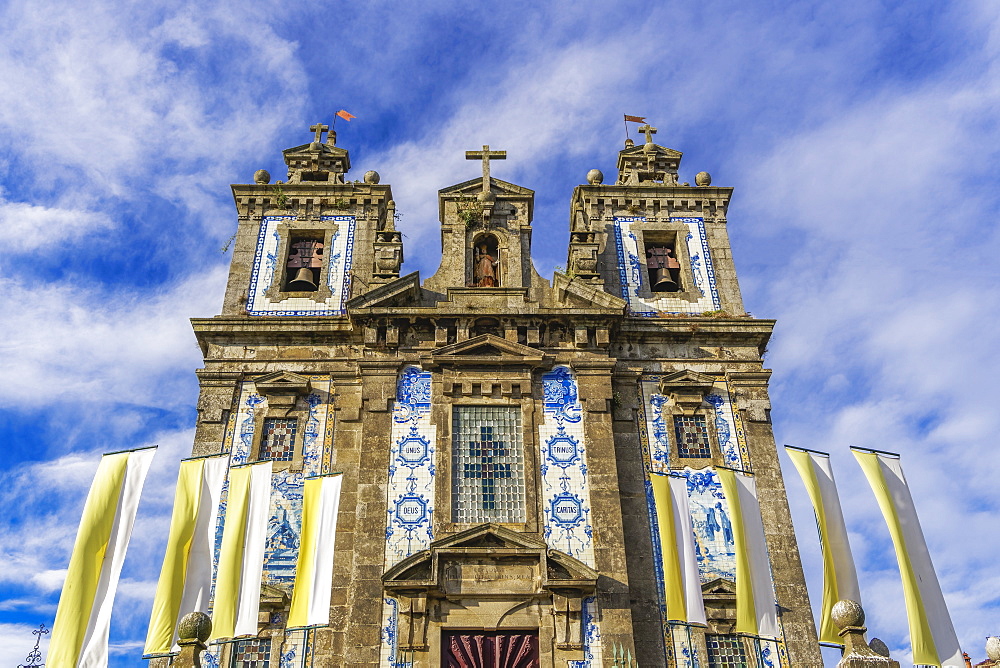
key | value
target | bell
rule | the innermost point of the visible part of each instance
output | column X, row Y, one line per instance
column 664, row 282
column 303, row 281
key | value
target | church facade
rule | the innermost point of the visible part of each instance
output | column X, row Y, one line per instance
column 496, row 431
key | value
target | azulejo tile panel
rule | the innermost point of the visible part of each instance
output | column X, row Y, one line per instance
column 565, row 488
column 635, row 284
column 410, row 499
column 263, row 274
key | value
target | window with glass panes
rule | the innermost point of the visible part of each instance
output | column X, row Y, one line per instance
column 278, row 440
column 251, row 653
column 692, row 436
column 725, row 651
column 487, row 464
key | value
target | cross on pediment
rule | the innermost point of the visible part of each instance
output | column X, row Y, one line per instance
column 485, row 156
column 649, row 131
column 319, row 129
column 486, row 468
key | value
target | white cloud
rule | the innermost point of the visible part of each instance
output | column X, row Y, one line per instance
column 28, row 227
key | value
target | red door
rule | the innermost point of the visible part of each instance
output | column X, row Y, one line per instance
column 467, row 649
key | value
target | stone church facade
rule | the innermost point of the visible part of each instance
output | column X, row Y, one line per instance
column 495, row 430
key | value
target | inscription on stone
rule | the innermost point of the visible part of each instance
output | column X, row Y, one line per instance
column 488, row 576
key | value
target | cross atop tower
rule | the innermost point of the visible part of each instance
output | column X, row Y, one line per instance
column 485, row 155
column 649, row 131
column 319, row 129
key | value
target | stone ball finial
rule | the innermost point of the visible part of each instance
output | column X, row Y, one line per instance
column 372, row 177
column 629, row 143
column 848, row 613
column 993, row 648
column 262, row 176
column 595, row 177
column 703, row 179
column 486, row 197
column 195, row 625
column 879, row 647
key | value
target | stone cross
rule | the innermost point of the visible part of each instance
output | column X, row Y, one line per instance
column 485, row 156
column 649, row 131
column 488, row 470
column 319, row 129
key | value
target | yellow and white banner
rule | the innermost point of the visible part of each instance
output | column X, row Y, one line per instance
column 186, row 577
column 932, row 635
column 314, row 569
column 241, row 558
column 83, row 618
column 756, row 612
column 840, row 578
column 681, row 580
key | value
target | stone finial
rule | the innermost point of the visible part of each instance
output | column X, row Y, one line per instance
column 703, row 179
column 595, row 177
column 993, row 648
column 262, row 177
column 193, row 629
column 850, row 617
column 879, row 647
column 372, row 177
column 629, row 143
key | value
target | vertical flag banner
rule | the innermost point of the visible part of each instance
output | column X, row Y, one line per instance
column 840, row 578
column 186, row 577
column 241, row 558
column 314, row 570
column 756, row 612
column 932, row 635
column 681, row 581
column 83, row 618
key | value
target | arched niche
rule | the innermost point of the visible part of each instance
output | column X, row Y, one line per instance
column 488, row 259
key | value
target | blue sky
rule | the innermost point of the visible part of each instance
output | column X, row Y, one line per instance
column 861, row 138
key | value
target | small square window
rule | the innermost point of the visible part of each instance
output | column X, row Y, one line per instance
column 725, row 651
column 278, row 440
column 251, row 653
column 692, row 436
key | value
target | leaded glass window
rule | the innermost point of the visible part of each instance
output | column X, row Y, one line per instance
column 251, row 653
column 692, row 436
column 278, row 440
column 725, row 651
column 487, row 470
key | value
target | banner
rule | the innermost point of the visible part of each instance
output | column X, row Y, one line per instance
column 241, row 558
column 756, row 612
column 681, row 580
column 83, row 618
column 314, row 569
column 185, row 583
column 840, row 579
column 932, row 635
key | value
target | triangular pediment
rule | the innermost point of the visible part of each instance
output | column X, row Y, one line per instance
column 575, row 292
column 281, row 381
column 646, row 149
column 485, row 349
column 404, row 291
column 497, row 187
column 719, row 587
column 308, row 149
column 687, row 379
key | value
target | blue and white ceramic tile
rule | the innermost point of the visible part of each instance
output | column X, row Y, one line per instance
column 685, row 651
column 410, row 507
column 659, row 428
column 633, row 277
column 565, row 486
column 284, row 524
column 264, row 271
column 592, row 648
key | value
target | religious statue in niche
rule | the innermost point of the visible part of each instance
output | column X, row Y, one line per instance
column 484, row 266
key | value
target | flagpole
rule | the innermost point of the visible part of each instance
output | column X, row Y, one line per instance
column 626, row 125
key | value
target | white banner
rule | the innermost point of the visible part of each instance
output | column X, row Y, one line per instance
column 314, row 570
column 681, row 579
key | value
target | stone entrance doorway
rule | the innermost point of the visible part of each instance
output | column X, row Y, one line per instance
column 471, row 649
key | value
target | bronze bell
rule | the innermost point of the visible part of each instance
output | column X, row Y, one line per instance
column 303, row 281
column 663, row 282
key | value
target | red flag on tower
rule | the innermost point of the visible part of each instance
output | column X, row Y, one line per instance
column 346, row 115
column 634, row 119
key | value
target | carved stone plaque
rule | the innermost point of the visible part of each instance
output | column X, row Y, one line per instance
column 477, row 576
